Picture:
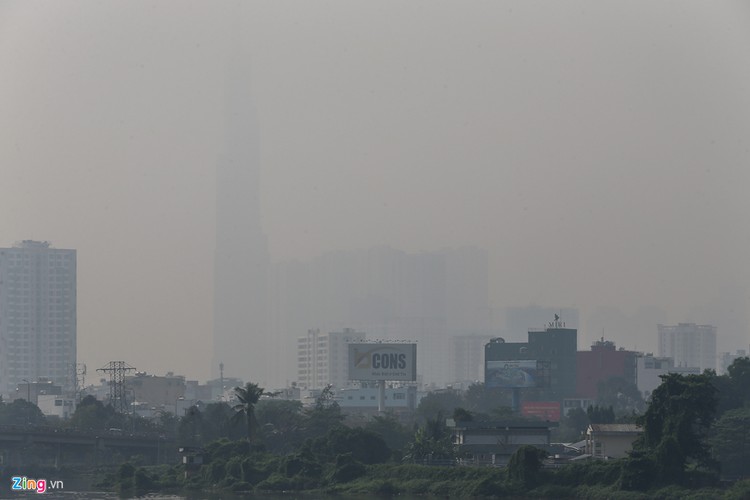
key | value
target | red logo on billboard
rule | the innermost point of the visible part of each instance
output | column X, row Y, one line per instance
column 544, row 410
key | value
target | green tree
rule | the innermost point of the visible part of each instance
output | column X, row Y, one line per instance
column 363, row 445
column 734, row 388
column 433, row 441
column 248, row 397
column 21, row 412
column 395, row 435
column 92, row 415
column 481, row 400
column 525, row 465
column 324, row 416
column 621, row 394
column 573, row 425
column 280, row 421
column 730, row 442
column 190, row 427
column 600, row 415
column 462, row 415
column 219, row 421
column 676, row 425
column 443, row 402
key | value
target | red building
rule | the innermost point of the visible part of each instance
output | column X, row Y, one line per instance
column 602, row 362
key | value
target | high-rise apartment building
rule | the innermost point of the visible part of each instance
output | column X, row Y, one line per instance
column 468, row 357
column 689, row 345
column 323, row 358
column 37, row 315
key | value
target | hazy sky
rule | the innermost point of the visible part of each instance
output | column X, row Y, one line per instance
column 600, row 151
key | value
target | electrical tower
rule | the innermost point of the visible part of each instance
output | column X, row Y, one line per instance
column 78, row 374
column 117, row 371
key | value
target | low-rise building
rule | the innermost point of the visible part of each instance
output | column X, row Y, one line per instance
column 366, row 398
column 601, row 363
column 31, row 391
column 156, row 391
column 650, row 368
column 54, row 405
column 611, row 440
column 493, row 442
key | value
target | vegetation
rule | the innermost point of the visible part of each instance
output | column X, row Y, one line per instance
column 694, row 432
column 248, row 397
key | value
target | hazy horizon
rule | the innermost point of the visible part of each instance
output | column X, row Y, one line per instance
column 598, row 152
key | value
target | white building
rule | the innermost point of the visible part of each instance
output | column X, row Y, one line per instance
column 57, row 406
column 37, row 315
column 323, row 358
column 649, row 369
column 468, row 357
column 364, row 398
column 689, row 345
column 611, row 440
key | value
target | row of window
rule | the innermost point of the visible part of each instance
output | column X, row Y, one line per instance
column 395, row 396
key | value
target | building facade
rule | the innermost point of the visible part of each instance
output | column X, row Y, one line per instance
column 548, row 361
column 689, row 345
column 611, row 440
column 601, row 363
column 468, row 357
column 155, row 391
column 650, row 368
column 727, row 358
column 323, row 358
column 37, row 315
column 494, row 442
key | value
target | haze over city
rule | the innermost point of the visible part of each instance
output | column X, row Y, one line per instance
column 598, row 154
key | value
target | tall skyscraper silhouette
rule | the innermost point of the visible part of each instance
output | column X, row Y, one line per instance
column 241, row 262
column 37, row 315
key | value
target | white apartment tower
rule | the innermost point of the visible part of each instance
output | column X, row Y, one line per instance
column 689, row 345
column 468, row 357
column 37, row 315
column 323, row 358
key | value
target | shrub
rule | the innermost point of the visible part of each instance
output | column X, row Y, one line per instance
column 142, row 482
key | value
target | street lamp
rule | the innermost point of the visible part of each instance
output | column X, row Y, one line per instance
column 28, row 400
column 28, row 389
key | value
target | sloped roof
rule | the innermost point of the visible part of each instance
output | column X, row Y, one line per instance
column 616, row 428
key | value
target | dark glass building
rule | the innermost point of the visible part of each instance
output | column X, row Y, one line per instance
column 542, row 369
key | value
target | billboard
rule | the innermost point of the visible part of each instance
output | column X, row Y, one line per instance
column 383, row 361
column 511, row 374
column 544, row 410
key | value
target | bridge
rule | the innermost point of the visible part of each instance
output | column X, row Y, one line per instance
column 21, row 444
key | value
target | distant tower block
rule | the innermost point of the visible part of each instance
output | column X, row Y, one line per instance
column 117, row 371
column 241, row 261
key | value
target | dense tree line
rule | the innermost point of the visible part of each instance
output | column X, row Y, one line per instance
column 695, row 430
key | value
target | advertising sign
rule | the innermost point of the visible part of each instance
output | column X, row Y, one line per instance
column 544, row 410
column 511, row 373
column 383, row 361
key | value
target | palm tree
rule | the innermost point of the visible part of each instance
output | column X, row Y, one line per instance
column 248, row 397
